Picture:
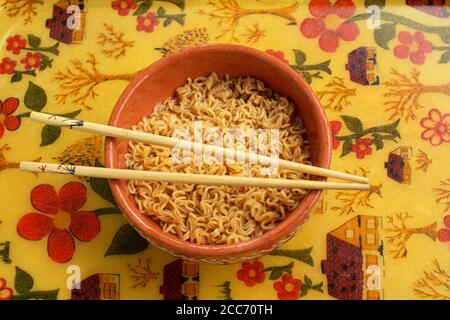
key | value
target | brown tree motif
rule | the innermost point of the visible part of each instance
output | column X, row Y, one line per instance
column 24, row 8
column 422, row 161
column 433, row 284
column 228, row 14
column 336, row 94
column 443, row 194
column 404, row 93
column 254, row 34
column 5, row 164
column 349, row 201
column 79, row 80
column 398, row 233
column 322, row 205
column 115, row 46
column 141, row 272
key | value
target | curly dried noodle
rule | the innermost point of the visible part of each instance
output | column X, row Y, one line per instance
column 218, row 214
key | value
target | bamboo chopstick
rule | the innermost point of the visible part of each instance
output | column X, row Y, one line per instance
column 174, row 177
column 164, row 141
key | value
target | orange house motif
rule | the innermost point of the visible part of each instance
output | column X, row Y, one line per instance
column 58, row 24
column 180, row 280
column 363, row 67
column 355, row 266
column 398, row 165
column 100, row 286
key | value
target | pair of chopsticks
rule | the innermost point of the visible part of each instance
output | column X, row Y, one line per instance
column 173, row 177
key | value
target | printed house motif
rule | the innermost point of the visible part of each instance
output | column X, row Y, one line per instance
column 398, row 165
column 362, row 66
column 438, row 8
column 100, row 286
column 355, row 266
column 59, row 30
column 181, row 281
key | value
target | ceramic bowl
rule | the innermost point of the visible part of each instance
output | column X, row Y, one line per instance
column 159, row 81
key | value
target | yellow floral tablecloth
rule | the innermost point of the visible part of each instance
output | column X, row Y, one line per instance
column 381, row 70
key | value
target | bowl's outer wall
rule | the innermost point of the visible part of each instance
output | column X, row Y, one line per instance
column 159, row 81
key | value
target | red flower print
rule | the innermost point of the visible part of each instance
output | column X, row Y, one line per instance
column 335, row 128
column 32, row 60
column 437, row 127
column 444, row 233
column 413, row 46
column 5, row 292
column 123, row 7
column 147, row 23
column 288, row 288
column 362, row 147
column 15, row 44
column 277, row 54
column 7, row 66
column 60, row 219
column 251, row 273
column 328, row 23
column 7, row 120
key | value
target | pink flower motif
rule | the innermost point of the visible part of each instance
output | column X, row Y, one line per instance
column 251, row 273
column 147, row 23
column 288, row 288
column 277, row 54
column 15, row 44
column 123, row 7
column 328, row 23
column 335, row 128
column 362, row 147
column 437, row 127
column 413, row 46
column 32, row 60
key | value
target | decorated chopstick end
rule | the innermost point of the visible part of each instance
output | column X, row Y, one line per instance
column 55, row 120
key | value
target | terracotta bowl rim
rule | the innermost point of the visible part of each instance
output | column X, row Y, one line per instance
column 296, row 217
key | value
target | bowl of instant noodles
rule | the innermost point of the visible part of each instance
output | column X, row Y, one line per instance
column 207, row 92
